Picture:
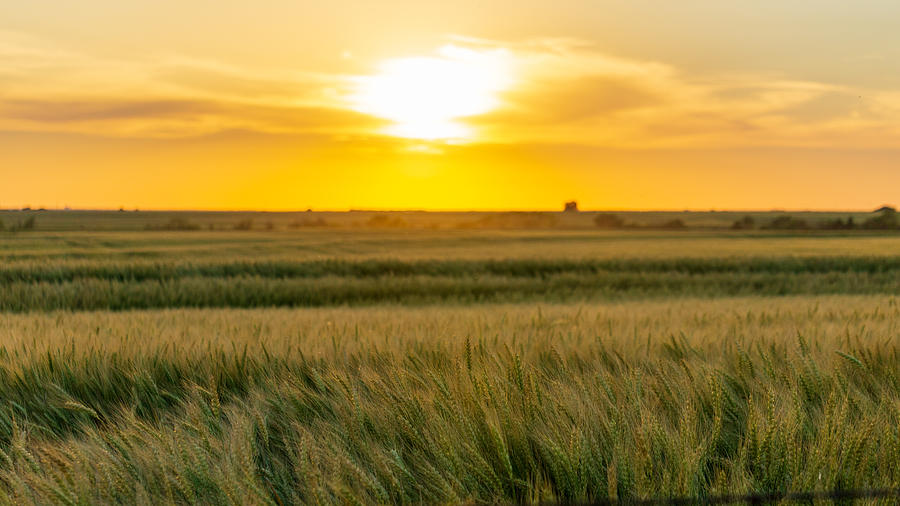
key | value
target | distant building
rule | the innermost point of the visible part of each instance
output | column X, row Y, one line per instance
column 571, row 207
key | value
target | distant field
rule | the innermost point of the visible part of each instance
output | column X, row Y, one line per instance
column 426, row 244
column 130, row 220
column 132, row 270
column 352, row 365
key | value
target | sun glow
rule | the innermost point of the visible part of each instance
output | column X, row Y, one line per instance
column 425, row 97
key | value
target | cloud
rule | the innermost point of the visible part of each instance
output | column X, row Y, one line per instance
column 572, row 93
column 829, row 106
column 83, row 111
column 168, row 118
column 563, row 100
column 563, row 91
column 215, row 79
column 44, row 88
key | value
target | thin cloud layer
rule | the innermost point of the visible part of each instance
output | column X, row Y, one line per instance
column 572, row 93
column 49, row 90
column 564, row 92
column 176, row 118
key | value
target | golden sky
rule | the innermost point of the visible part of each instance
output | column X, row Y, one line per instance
column 450, row 105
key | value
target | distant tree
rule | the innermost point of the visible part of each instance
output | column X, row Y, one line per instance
column 839, row 224
column 787, row 223
column 29, row 223
column 835, row 224
column 571, row 207
column 513, row 220
column 675, row 224
column 886, row 208
column 386, row 221
column 379, row 220
column 608, row 220
column 886, row 220
column 745, row 223
column 308, row 222
column 244, row 225
column 176, row 223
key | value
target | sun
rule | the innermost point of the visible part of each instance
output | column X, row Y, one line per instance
column 426, row 97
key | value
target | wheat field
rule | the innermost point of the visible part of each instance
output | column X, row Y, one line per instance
column 720, row 365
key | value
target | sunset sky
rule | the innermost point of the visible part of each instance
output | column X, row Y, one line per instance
column 464, row 104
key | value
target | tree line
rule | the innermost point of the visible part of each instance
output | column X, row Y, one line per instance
column 885, row 219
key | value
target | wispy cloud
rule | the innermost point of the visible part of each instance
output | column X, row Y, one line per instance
column 565, row 91
column 48, row 89
column 176, row 118
column 570, row 92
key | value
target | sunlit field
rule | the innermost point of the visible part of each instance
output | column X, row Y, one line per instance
column 368, row 366
column 474, row 252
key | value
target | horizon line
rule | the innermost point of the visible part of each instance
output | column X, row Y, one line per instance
column 443, row 210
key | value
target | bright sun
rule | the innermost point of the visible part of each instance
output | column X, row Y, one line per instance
column 425, row 97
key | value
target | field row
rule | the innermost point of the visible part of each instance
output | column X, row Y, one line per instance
column 256, row 291
column 487, row 403
column 517, row 268
column 86, row 247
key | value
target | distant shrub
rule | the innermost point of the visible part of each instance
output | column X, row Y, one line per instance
column 787, row 223
column 386, row 221
column 745, row 223
column 27, row 224
column 176, row 223
column 608, row 220
column 839, row 224
column 886, row 220
column 244, row 225
column 513, row 220
column 675, row 224
column 308, row 222
column 571, row 207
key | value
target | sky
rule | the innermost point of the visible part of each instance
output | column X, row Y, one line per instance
column 289, row 105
